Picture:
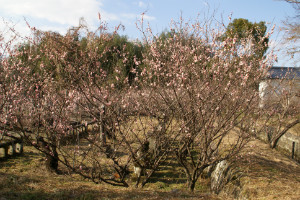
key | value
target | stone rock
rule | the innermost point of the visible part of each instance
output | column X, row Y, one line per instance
column 219, row 177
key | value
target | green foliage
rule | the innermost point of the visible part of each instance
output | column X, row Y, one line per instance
column 122, row 56
column 37, row 56
column 115, row 53
column 119, row 58
column 243, row 28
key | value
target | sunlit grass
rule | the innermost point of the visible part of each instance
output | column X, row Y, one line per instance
column 25, row 177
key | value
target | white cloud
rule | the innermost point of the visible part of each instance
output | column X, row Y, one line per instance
column 132, row 16
column 149, row 18
column 205, row 3
column 59, row 15
column 142, row 4
column 14, row 32
column 61, row 30
column 66, row 12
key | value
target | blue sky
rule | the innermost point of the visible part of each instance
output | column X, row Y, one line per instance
column 59, row 15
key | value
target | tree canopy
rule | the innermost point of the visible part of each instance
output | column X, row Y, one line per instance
column 242, row 28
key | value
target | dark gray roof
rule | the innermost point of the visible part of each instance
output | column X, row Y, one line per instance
column 284, row 72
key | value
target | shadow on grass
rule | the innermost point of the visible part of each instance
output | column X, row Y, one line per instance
column 25, row 178
column 32, row 187
column 170, row 172
column 85, row 194
column 25, row 157
column 22, row 187
column 276, row 169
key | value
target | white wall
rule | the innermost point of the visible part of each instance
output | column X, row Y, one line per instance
column 281, row 91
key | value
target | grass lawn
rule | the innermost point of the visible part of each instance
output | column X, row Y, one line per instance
column 267, row 174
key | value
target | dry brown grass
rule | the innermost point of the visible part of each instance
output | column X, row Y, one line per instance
column 266, row 175
column 26, row 178
column 295, row 130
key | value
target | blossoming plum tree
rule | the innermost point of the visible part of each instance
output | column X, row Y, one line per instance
column 190, row 94
column 209, row 86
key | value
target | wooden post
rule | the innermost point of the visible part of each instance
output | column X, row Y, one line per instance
column 78, row 132
column 102, row 131
column 21, row 147
column 6, row 151
column 13, row 146
column 293, row 150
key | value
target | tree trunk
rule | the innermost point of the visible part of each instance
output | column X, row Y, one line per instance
column 51, row 154
column 192, row 184
column 276, row 139
column 52, row 160
column 147, row 178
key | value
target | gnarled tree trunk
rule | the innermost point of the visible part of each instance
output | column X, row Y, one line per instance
column 275, row 140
